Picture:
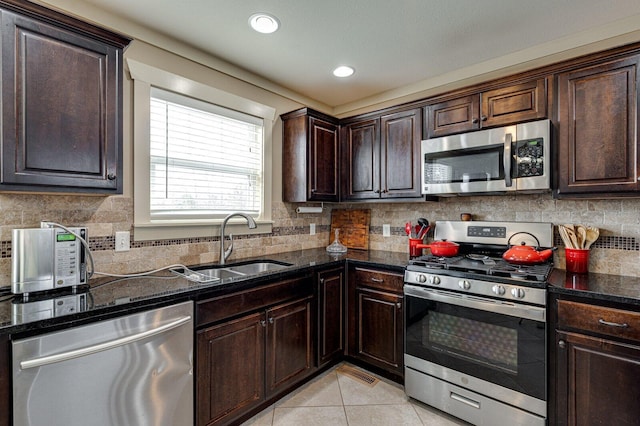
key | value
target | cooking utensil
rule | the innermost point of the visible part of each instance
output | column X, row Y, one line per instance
column 407, row 228
column 524, row 254
column 592, row 235
column 582, row 236
column 424, row 224
column 571, row 233
column 565, row 237
column 442, row 248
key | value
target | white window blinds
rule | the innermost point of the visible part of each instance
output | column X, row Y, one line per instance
column 206, row 160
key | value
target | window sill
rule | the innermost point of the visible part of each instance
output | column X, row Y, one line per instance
column 172, row 231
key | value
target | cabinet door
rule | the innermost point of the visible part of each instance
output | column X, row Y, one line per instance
column 61, row 109
column 5, row 380
column 380, row 328
column 400, row 138
column 289, row 354
column 330, row 315
column 598, row 119
column 508, row 105
column 323, row 161
column 230, row 369
column 361, row 160
column 597, row 381
column 453, row 116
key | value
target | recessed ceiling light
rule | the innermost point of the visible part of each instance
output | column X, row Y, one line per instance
column 264, row 23
column 343, row 71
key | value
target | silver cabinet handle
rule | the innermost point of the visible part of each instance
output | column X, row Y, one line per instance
column 263, row 323
column 612, row 324
column 377, row 280
column 271, row 320
column 561, row 344
column 398, row 305
column 77, row 353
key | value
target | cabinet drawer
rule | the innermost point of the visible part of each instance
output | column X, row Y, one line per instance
column 598, row 319
column 229, row 305
column 379, row 279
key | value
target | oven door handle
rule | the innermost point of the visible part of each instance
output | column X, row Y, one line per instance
column 518, row 310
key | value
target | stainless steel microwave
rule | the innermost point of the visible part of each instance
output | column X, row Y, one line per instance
column 500, row 160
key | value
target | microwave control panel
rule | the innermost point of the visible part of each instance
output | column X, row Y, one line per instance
column 529, row 158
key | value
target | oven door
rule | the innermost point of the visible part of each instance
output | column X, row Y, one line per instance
column 468, row 163
column 498, row 342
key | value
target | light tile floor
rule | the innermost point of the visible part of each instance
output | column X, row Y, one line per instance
column 335, row 399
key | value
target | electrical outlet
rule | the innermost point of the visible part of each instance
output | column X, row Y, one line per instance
column 312, row 229
column 122, row 241
column 386, row 230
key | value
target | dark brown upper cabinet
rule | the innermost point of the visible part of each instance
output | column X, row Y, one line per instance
column 489, row 108
column 309, row 156
column 380, row 156
column 598, row 121
column 61, row 103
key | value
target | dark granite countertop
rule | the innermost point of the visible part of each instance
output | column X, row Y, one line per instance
column 599, row 287
column 116, row 296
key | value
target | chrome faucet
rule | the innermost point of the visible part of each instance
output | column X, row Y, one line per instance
column 224, row 254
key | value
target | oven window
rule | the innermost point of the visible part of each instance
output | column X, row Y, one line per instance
column 464, row 166
column 489, row 344
column 501, row 349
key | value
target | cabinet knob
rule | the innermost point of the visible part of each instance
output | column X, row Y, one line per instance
column 377, row 191
column 475, row 120
column 271, row 320
column 561, row 344
column 111, row 176
column 483, row 118
column 398, row 305
column 321, row 280
column 263, row 323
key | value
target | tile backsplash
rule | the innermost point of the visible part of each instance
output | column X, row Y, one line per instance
column 616, row 252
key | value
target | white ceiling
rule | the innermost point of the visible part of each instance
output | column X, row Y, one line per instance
column 391, row 44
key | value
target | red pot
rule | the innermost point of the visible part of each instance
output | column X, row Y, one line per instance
column 442, row 248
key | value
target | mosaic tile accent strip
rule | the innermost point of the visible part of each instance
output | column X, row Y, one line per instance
column 612, row 242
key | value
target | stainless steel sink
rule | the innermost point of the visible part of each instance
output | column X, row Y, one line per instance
column 211, row 274
column 259, row 267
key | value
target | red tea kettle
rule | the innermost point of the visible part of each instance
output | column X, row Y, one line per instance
column 524, row 254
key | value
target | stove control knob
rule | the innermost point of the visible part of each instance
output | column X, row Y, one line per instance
column 498, row 289
column 434, row 280
column 422, row 278
column 464, row 284
column 518, row 293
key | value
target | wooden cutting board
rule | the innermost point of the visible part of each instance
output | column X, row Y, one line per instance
column 354, row 227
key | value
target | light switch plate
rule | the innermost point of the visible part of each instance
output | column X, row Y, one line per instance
column 386, row 230
column 312, row 229
column 122, row 241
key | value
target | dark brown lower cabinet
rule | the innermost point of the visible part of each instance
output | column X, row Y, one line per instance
column 596, row 376
column 5, row 381
column 602, row 381
column 380, row 329
column 376, row 319
column 230, row 369
column 330, row 315
column 243, row 362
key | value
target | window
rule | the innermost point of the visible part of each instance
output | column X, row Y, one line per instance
column 199, row 153
column 206, row 161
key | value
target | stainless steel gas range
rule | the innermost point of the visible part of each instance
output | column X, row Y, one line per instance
column 475, row 326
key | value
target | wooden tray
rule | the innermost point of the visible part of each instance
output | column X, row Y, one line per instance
column 354, row 227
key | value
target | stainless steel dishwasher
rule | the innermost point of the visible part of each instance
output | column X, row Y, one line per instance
column 131, row 370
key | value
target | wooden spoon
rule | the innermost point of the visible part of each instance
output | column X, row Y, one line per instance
column 582, row 236
column 592, row 235
column 565, row 237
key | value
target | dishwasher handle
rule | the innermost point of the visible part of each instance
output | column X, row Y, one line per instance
column 76, row 353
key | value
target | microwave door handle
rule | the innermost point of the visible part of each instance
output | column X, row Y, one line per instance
column 507, row 159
